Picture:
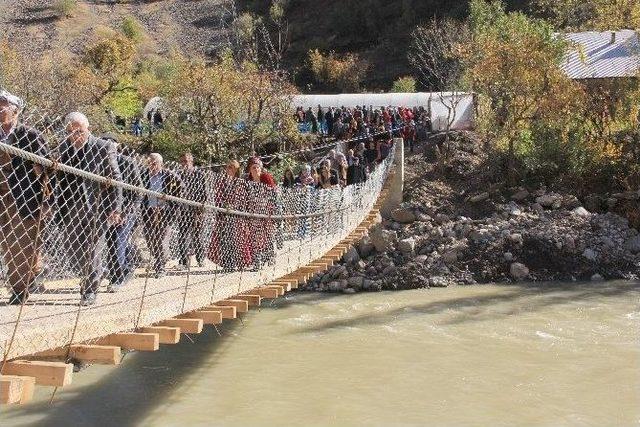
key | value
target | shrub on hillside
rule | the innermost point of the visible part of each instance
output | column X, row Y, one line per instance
column 66, row 8
column 132, row 29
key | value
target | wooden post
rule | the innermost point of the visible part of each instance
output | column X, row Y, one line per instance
column 10, row 390
column 55, row 374
column 264, row 292
column 279, row 289
column 286, row 286
column 208, row 317
column 227, row 311
column 140, row 341
column 241, row 306
column 166, row 334
column 187, row 326
column 253, row 300
column 98, row 354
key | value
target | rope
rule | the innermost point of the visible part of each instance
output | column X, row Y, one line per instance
column 125, row 186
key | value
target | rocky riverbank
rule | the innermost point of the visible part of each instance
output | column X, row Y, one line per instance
column 460, row 226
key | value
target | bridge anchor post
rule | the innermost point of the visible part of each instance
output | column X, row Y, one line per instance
column 396, row 185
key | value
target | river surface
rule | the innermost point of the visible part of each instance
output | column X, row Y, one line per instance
column 552, row 355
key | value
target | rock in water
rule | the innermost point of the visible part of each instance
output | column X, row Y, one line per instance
column 519, row 271
column 597, row 278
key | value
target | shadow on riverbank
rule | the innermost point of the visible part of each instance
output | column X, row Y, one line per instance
column 124, row 396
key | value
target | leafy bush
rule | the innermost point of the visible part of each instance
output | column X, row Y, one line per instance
column 132, row 29
column 404, row 85
column 66, row 8
column 337, row 74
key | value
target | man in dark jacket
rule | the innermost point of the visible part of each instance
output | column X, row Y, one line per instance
column 86, row 207
column 191, row 221
column 356, row 172
column 157, row 213
column 328, row 117
column 24, row 199
column 120, row 248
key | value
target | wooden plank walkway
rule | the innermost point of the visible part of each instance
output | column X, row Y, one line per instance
column 177, row 303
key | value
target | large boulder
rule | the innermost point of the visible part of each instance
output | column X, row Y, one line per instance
column 365, row 246
column 404, row 216
column 479, row 197
column 450, row 257
column 549, row 200
column 442, row 218
column 520, row 195
column 590, row 254
column 519, row 271
column 383, row 240
column 355, row 281
column 582, row 212
column 351, row 257
column 407, row 246
column 633, row 244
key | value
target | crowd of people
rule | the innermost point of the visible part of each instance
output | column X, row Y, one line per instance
column 345, row 123
column 95, row 221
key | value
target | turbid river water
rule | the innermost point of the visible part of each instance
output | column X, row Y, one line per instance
column 550, row 355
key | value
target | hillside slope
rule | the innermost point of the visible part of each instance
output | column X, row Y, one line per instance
column 377, row 30
column 35, row 27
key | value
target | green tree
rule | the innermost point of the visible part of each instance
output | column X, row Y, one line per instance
column 337, row 74
column 404, row 84
column 582, row 15
column 514, row 61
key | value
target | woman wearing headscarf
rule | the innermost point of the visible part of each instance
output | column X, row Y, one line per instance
column 305, row 178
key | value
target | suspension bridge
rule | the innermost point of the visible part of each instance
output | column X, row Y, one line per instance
column 265, row 242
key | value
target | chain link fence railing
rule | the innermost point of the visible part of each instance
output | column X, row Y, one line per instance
column 96, row 239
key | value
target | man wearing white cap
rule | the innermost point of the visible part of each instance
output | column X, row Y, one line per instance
column 24, row 198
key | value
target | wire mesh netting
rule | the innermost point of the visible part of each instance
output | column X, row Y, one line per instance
column 96, row 239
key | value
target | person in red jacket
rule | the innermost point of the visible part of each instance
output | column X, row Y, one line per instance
column 257, row 173
column 262, row 199
column 409, row 133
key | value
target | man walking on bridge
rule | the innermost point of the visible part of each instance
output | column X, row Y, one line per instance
column 24, row 198
column 158, row 213
column 191, row 219
column 87, row 207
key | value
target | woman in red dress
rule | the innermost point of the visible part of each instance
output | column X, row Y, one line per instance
column 228, row 247
column 262, row 200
